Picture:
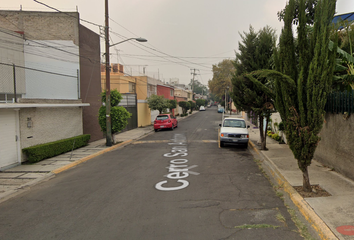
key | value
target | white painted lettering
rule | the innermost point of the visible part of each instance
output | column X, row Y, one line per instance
column 159, row 186
column 177, row 175
column 175, row 154
column 179, row 161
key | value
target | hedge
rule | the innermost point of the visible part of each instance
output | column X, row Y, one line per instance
column 42, row 151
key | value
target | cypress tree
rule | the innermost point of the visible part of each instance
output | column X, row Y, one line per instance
column 251, row 92
column 303, row 80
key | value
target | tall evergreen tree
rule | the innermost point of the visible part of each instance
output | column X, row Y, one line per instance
column 303, row 80
column 253, row 92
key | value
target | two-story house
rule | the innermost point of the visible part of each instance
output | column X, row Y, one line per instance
column 182, row 94
column 135, row 90
column 50, row 81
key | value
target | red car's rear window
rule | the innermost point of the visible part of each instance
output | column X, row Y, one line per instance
column 162, row 117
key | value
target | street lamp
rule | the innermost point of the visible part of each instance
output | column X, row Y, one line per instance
column 108, row 79
column 137, row 39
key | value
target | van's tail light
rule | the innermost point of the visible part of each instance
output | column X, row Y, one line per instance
column 155, row 122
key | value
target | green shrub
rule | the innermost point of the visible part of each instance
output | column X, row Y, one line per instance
column 42, row 151
column 276, row 137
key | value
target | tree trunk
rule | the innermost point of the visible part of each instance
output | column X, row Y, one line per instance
column 306, row 186
column 261, row 132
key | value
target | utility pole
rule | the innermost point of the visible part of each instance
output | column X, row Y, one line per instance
column 193, row 73
column 108, row 81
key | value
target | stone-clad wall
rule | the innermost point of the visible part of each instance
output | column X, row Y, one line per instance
column 42, row 125
column 42, row 25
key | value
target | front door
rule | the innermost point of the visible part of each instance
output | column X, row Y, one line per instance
column 8, row 138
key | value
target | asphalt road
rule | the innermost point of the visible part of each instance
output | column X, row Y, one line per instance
column 169, row 185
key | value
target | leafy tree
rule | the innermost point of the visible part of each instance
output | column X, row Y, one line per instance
column 344, row 70
column 156, row 102
column 310, row 12
column 200, row 102
column 222, row 73
column 253, row 92
column 198, row 87
column 119, row 115
column 172, row 104
column 213, row 97
column 303, row 80
column 185, row 106
column 192, row 105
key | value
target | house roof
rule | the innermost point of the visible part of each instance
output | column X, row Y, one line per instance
column 348, row 17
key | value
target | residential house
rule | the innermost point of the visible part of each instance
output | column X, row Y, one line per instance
column 182, row 94
column 152, row 90
column 53, row 63
column 167, row 91
column 59, row 34
column 135, row 91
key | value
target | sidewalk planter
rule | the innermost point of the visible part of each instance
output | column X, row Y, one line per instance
column 42, row 151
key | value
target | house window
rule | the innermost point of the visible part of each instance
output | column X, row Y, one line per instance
column 171, row 92
column 132, row 87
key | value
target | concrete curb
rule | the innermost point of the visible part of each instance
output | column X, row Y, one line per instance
column 304, row 208
column 82, row 160
column 14, row 192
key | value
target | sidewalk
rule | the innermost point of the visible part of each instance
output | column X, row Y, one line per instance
column 329, row 217
column 17, row 179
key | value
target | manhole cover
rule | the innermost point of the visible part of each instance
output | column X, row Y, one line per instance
column 346, row 230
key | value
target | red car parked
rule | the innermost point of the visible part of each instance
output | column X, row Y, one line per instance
column 165, row 121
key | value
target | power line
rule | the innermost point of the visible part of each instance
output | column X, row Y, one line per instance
column 67, row 13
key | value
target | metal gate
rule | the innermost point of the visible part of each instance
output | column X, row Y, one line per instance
column 129, row 101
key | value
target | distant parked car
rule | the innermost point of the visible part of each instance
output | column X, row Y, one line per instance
column 234, row 130
column 221, row 110
column 202, row 108
column 163, row 121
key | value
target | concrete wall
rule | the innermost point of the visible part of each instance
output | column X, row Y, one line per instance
column 57, row 77
column 90, row 79
column 336, row 146
column 144, row 114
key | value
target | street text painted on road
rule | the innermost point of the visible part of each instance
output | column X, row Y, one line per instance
column 178, row 170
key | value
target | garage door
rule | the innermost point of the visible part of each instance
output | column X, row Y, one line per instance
column 8, row 144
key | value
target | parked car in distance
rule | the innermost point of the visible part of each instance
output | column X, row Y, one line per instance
column 202, row 108
column 221, row 110
column 163, row 121
column 234, row 130
column 209, row 106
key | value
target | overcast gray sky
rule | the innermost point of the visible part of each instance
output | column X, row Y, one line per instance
column 182, row 34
